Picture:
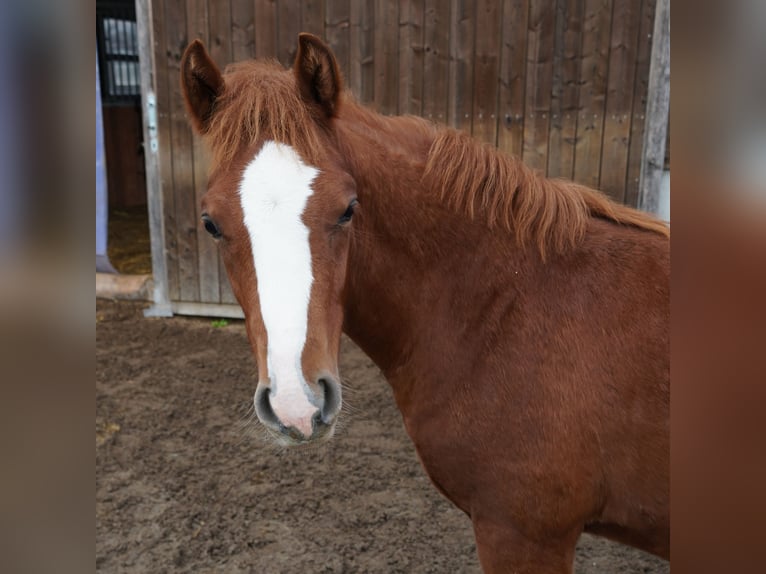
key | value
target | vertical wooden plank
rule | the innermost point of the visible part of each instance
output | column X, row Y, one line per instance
column 242, row 30
column 266, row 29
column 312, row 17
column 220, row 29
column 411, row 56
column 387, row 57
column 487, row 61
column 640, row 88
column 366, row 54
column 436, row 60
column 354, row 78
column 510, row 132
column 288, row 28
column 183, row 161
column 657, row 110
column 163, row 80
column 619, row 98
column 207, row 254
column 337, row 25
column 152, row 158
column 361, row 74
column 462, row 33
column 566, row 76
column 213, row 280
column 197, row 20
column 221, row 50
column 539, row 84
column 592, row 99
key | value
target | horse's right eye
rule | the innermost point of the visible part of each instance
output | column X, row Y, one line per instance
column 348, row 214
column 210, row 226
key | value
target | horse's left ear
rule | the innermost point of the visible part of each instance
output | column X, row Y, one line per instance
column 201, row 82
column 317, row 73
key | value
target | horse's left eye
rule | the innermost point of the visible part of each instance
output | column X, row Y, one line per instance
column 348, row 214
column 210, row 226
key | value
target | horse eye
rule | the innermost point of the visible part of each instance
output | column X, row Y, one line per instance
column 348, row 214
column 211, row 227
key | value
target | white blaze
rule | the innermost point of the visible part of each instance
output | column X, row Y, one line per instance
column 274, row 190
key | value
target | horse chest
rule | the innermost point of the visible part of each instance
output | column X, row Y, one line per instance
column 448, row 455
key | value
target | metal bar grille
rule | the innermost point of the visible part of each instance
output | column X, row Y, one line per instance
column 116, row 35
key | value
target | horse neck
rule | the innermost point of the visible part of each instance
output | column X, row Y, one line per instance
column 407, row 251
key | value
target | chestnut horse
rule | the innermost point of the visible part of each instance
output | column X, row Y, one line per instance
column 522, row 322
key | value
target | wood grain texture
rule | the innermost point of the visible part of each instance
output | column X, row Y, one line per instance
column 513, row 57
column 562, row 84
column 640, row 91
column 183, row 160
column 126, row 177
column 288, row 28
column 229, row 311
column 538, row 84
column 220, row 30
column 486, row 67
column 594, row 69
column 337, row 28
column 387, row 57
column 411, row 14
column 619, row 98
column 198, row 23
column 313, row 17
column 166, row 150
column 153, row 159
column 462, row 33
column 657, row 111
column 265, row 29
column 436, row 60
column 362, row 50
column 242, row 30
column 221, row 50
column 564, row 95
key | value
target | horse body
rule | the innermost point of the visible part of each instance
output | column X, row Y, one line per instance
column 525, row 385
column 522, row 323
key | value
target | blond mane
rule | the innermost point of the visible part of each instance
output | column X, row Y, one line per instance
column 479, row 181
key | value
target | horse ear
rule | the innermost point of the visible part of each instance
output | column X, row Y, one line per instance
column 201, row 83
column 317, row 73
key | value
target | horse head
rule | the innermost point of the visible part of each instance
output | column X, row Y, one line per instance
column 280, row 205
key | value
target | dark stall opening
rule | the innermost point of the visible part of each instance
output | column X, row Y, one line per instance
column 128, row 244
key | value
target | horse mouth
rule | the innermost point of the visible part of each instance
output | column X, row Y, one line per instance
column 289, row 437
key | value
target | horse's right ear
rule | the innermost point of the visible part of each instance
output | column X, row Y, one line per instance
column 317, row 73
column 201, row 83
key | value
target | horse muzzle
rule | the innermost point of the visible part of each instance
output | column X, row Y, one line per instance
column 303, row 415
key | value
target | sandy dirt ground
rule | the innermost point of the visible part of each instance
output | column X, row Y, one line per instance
column 186, row 482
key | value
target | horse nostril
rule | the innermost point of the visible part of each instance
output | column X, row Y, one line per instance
column 331, row 399
column 263, row 407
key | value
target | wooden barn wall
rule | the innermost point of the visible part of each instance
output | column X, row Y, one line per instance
column 560, row 83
